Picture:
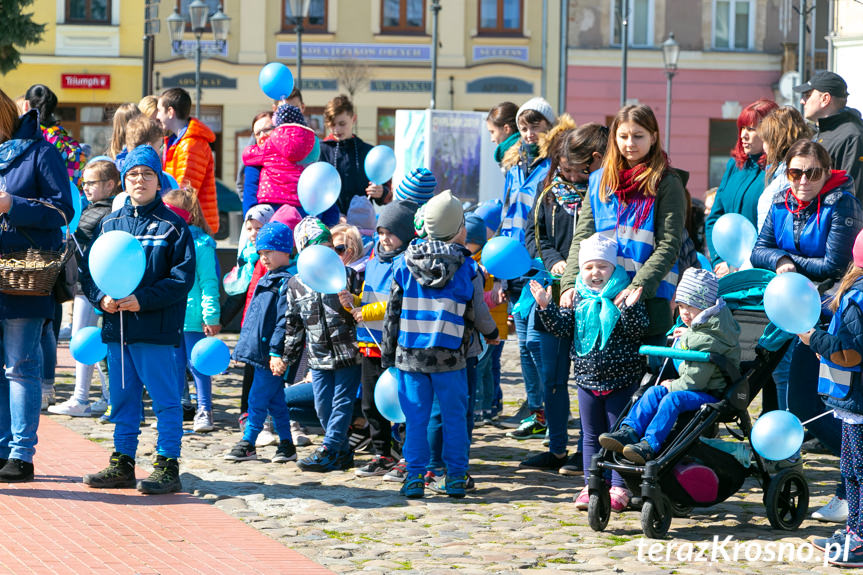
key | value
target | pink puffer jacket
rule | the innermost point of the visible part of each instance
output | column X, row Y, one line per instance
column 279, row 159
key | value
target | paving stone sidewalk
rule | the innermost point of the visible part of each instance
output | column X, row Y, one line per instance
column 516, row 521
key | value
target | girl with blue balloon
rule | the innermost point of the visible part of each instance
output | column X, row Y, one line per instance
column 139, row 271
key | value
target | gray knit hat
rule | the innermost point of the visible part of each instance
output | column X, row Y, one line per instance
column 443, row 216
column 698, row 288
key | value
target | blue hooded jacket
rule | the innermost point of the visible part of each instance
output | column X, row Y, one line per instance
column 32, row 170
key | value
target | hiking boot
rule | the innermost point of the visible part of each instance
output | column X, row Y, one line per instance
column 456, row 486
column 164, row 479
column 413, row 487
column 120, row 473
column 285, row 452
column 321, row 461
column 380, row 465
column 203, row 421
column 639, row 453
column 242, row 451
column 16, row 471
column 533, row 426
column 397, row 473
column 546, row 461
column 617, row 440
column 574, row 465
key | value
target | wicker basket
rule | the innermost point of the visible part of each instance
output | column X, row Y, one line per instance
column 34, row 272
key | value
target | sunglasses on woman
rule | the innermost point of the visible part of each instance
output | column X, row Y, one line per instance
column 340, row 249
column 812, row 174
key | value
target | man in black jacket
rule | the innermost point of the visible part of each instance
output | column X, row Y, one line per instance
column 839, row 129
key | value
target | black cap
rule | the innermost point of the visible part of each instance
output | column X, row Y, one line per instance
column 828, row 82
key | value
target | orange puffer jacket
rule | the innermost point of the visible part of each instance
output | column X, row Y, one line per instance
column 190, row 158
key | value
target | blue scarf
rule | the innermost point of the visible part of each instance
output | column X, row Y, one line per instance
column 596, row 315
column 12, row 149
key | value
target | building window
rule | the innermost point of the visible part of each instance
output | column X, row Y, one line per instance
column 183, row 7
column 640, row 22
column 316, row 21
column 88, row 11
column 500, row 17
column 733, row 24
column 722, row 138
column 403, row 17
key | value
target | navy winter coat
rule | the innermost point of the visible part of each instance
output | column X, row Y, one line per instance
column 263, row 333
column 33, row 170
column 349, row 157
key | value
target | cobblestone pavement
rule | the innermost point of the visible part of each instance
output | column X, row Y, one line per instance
column 515, row 521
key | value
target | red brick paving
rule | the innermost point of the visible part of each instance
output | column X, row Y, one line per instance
column 56, row 524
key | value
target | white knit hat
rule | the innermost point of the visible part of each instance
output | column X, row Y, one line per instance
column 597, row 247
column 538, row 105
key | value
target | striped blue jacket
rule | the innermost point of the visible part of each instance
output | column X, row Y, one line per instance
column 378, row 279
column 518, row 198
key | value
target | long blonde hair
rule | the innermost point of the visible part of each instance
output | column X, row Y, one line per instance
column 352, row 237
column 779, row 130
column 655, row 161
column 122, row 115
column 186, row 198
column 851, row 276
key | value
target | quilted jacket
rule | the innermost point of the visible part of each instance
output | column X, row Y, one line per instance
column 190, row 158
column 279, row 157
column 69, row 149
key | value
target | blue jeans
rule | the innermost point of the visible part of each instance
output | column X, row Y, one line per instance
column 782, row 374
column 20, row 386
column 48, row 342
column 300, row 399
column 267, row 395
column 804, row 401
column 435, row 432
column 416, row 395
column 530, row 351
column 203, row 383
column 654, row 414
column 555, row 377
column 484, row 381
column 153, row 366
column 335, row 395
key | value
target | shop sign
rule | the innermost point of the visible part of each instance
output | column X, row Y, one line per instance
column 208, row 80
column 320, row 85
column 373, row 52
column 517, row 53
column 86, row 81
column 499, row 85
column 400, row 86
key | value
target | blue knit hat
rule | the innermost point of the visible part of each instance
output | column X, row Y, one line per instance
column 476, row 229
column 275, row 236
column 417, row 187
column 287, row 114
column 141, row 156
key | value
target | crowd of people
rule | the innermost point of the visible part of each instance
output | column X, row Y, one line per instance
column 603, row 210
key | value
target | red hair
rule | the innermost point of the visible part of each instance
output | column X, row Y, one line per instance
column 750, row 117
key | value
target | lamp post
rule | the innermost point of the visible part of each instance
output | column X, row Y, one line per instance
column 198, row 17
column 299, row 12
column 435, row 9
column 670, row 55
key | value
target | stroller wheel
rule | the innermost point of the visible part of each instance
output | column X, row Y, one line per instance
column 599, row 509
column 678, row 510
column 787, row 500
column 655, row 518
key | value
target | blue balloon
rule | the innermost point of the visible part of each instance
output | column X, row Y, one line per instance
column 387, row 396
column 777, row 435
column 87, row 346
column 705, row 263
column 117, row 263
column 276, row 80
column 313, row 156
column 505, row 258
column 490, row 212
column 322, row 269
column 77, row 206
column 380, row 164
column 792, row 302
column 210, row 356
column 733, row 239
column 318, row 187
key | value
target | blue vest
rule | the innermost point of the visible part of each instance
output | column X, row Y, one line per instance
column 834, row 380
column 378, row 279
column 813, row 238
column 634, row 246
column 434, row 317
column 519, row 194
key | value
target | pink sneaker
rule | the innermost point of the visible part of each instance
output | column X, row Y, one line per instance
column 619, row 498
column 582, row 500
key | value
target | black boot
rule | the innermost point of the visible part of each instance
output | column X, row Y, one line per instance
column 16, row 471
column 164, row 479
column 119, row 473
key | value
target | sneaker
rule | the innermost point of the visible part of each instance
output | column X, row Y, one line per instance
column 119, row 473
column 436, row 481
column 469, row 485
column 243, row 451
column 582, row 499
column 617, row 440
column 188, row 412
column 851, row 553
column 105, row 418
column 639, row 453
column 397, row 473
column 48, row 397
column 837, row 539
column 321, row 461
column 620, row 497
column 359, row 438
column 478, row 420
column 346, row 460
column 546, row 461
column 71, row 408
column 164, row 479
column 574, row 465
column 267, row 436
column 836, row 511
column 298, row 432
column 516, row 420
column 285, row 452
column 16, row 471
column 456, row 486
column 99, row 406
column 528, row 429
column 414, row 487
column 203, row 421
column 380, row 465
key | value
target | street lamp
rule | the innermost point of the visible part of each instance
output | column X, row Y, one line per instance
column 670, row 55
column 219, row 22
column 299, row 11
column 435, row 10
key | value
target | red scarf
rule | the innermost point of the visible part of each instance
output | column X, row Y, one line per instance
column 630, row 194
column 837, row 178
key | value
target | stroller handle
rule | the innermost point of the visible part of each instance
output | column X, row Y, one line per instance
column 671, row 353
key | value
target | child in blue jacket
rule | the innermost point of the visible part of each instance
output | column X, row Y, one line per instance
column 153, row 327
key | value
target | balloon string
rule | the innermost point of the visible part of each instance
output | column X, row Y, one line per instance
column 370, row 334
column 818, row 416
column 122, row 355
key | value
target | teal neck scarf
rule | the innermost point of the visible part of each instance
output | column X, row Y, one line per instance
column 504, row 146
column 596, row 315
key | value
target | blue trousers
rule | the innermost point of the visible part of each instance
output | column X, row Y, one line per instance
column 654, row 414
column 153, row 366
column 598, row 414
column 335, row 394
column 435, row 432
column 530, row 351
column 20, row 386
column 203, row 383
column 804, row 401
column 416, row 395
column 268, row 395
column 300, row 399
column 554, row 372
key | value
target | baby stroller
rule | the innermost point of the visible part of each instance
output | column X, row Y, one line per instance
column 693, row 469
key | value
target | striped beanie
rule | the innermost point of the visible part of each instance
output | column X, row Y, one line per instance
column 417, row 187
column 698, row 288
